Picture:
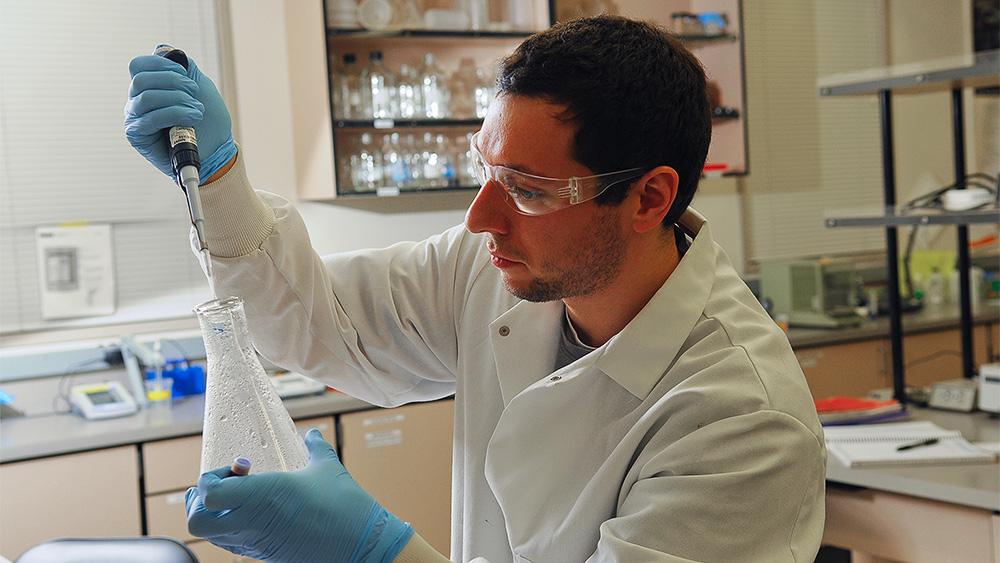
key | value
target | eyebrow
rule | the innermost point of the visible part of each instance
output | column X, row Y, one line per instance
column 517, row 167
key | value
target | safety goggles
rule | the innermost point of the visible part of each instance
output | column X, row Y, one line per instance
column 538, row 195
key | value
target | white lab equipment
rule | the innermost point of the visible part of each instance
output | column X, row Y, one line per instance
column 95, row 401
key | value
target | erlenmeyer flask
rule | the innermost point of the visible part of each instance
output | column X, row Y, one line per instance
column 244, row 416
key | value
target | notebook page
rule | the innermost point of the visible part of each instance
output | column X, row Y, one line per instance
column 889, row 432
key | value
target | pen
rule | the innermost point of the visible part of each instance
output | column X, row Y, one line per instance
column 927, row 442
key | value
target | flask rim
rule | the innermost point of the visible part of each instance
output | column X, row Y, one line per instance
column 215, row 305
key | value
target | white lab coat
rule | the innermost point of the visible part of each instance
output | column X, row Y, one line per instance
column 689, row 436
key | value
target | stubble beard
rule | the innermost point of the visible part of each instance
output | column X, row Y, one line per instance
column 592, row 264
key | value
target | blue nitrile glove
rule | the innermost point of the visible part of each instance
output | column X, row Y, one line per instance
column 162, row 94
column 315, row 514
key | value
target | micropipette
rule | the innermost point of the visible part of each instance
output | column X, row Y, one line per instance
column 184, row 157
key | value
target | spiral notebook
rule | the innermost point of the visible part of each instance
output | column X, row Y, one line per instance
column 875, row 445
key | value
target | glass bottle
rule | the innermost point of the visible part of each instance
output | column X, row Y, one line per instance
column 244, row 416
column 465, row 172
column 348, row 100
column 483, row 92
column 379, row 84
column 411, row 161
column 366, row 165
column 462, row 86
column 410, row 97
column 433, row 89
column 431, row 161
column 394, row 172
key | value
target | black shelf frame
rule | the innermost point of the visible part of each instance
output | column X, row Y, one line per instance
column 982, row 70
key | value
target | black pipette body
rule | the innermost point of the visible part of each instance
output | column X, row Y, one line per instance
column 184, row 156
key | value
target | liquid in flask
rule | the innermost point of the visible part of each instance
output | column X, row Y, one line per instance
column 244, row 416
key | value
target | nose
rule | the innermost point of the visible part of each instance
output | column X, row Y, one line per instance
column 488, row 212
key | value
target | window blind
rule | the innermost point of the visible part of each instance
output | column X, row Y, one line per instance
column 810, row 155
column 64, row 157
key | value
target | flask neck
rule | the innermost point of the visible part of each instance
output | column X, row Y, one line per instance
column 224, row 328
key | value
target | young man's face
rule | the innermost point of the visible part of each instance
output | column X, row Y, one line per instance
column 575, row 251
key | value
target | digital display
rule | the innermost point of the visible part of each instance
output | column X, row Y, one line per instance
column 101, row 397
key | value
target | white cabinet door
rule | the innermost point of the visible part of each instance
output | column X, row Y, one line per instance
column 88, row 494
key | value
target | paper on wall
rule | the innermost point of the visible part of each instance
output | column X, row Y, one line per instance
column 75, row 271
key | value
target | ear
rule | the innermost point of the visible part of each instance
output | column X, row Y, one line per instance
column 656, row 192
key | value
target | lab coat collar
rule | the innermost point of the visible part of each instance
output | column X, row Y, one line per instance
column 637, row 356
column 524, row 344
column 525, row 338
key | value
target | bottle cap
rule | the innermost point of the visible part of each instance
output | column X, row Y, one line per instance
column 241, row 466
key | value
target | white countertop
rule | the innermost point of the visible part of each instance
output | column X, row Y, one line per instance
column 57, row 434
column 976, row 485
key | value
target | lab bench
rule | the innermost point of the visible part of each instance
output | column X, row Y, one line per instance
column 65, row 476
column 853, row 361
column 917, row 514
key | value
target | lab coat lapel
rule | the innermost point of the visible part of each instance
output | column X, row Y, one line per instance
column 524, row 345
column 637, row 356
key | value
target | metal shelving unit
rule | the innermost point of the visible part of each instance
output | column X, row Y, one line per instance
column 954, row 74
column 911, row 217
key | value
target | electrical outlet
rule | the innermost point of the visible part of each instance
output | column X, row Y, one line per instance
column 955, row 395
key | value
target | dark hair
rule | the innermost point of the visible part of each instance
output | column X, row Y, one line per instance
column 637, row 95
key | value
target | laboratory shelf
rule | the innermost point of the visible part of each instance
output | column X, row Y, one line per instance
column 431, row 33
column 978, row 70
column 701, row 39
column 918, row 218
column 390, row 123
column 952, row 74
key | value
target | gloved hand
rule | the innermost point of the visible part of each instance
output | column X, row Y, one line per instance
column 315, row 514
column 162, row 94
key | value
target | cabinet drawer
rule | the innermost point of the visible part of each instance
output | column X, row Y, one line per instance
column 905, row 528
column 167, row 516
column 173, row 465
column 845, row 369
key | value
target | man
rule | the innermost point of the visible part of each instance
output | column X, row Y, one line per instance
column 620, row 395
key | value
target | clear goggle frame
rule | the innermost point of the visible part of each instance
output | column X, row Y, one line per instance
column 537, row 195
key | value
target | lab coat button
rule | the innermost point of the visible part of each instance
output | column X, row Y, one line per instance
column 504, row 330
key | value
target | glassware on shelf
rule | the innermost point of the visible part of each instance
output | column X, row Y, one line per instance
column 485, row 88
column 433, row 89
column 479, row 12
column 375, row 14
column 379, row 88
column 366, row 165
column 407, row 14
column 342, row 14
column 348, row 102
column 394, row 172
column 462, row 85
column 244, row 416
column 411, row 160
column 431, row 163
column 411, row 105
column 447, row 160
column 521, row 15
column 465, row 172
